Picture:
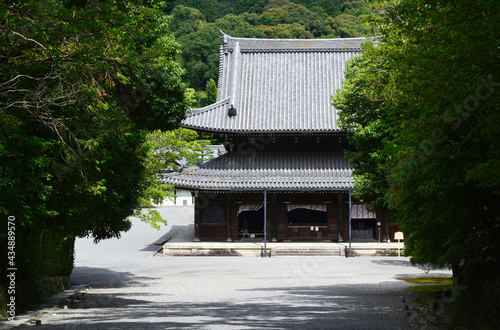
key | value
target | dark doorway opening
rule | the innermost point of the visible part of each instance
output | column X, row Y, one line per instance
column 306, row 217
column 364, row 228
column 253, row 221
column 307, row 223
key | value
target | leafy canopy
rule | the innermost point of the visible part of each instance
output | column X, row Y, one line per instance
column 165, row 150
column 421, row 107
column 81, row 83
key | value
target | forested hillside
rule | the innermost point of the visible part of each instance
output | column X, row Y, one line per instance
column 196, row 25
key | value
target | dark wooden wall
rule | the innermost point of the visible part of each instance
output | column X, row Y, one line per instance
column 335, row 229
column 276, row 213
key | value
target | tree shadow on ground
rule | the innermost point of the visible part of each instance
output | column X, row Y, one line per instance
column 400, row 263
column 407, row 263
column 305, row 307
column 105, row 278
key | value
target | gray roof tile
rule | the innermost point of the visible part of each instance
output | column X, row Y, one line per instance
column 268, row 170
column 277, row 85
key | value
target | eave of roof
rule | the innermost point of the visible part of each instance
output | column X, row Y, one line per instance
column 318, row 171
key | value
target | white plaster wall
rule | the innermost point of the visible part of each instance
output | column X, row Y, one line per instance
column 183, row 199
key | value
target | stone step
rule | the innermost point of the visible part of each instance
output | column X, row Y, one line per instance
column 307, row 252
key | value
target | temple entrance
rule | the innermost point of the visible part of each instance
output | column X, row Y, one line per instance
column 307, row 221
column 251, row 221
column 364, row 228
column 363, row 223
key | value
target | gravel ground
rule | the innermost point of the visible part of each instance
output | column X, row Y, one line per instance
column 131, row 289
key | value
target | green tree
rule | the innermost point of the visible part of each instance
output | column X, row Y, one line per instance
column 207, row 7
column 164, row 149
column 266, row 20
column 190, row 97
column 273, row 4
column 238, row 26
column 253, row 6
column 355, row 8
column 348, row 26
column 186, row 20
column 284, row 12
column 366, row 120
column 330, row 7
column 211, row 91
column 422, row 108
column 200, row 56
column 201, row 99
column 214, row 10
column 287, row 31
column 81, row 82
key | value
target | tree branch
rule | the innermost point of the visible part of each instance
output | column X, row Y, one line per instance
column 26, row 38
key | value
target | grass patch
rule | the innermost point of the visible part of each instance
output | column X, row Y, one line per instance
column 428, row 292
column 431, row 289
column 431, row 280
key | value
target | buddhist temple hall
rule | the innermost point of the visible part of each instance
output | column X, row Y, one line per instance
column 284, row 175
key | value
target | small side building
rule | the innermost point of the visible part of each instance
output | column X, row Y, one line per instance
column 284, row 175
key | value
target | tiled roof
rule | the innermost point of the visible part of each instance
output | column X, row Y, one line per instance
column 268, row 170
column 277, row 85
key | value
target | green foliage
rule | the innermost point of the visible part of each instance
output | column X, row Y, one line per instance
column 364, row 118
column 200, row 55
column 283, row 12
column 355, row 8
column 201, row 99
column 239, row 26
column 44, row 255
column 287, row 31
column 213, row 10
column 190, row 97
column 422, row 110
column 303, row 19
column 78, row 104
column 264, row 19
column 80, row 84
column 164, row 149
column 47, row 252
column 332, row 8
column 186, row 20
column 211, row 91
column 347, row 26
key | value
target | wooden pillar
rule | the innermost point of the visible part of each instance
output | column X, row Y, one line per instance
column 266, row 225
column 229, row 209
column 332, row 214
column 384, row 226
column 281, row 219
column 340, row 219
column 234, row 220
column 197, row 217
column 274, row 217
column 350, row 224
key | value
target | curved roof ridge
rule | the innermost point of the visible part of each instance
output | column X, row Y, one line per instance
column 341, row 44
column 210, row 107
column 240, row 38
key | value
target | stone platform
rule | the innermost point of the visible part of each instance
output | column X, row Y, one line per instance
column 183, row 244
